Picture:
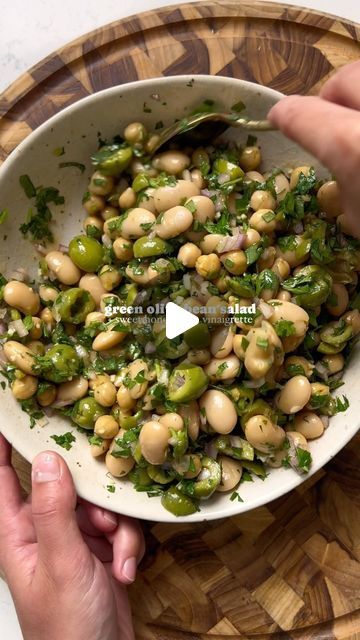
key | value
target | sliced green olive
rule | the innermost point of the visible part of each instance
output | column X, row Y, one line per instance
column 187, row 382
column 179, row 442
column 311, row 286
column 112, row 159
column 235, row 447
column 139, row 476
column 159, row 474
column 86, row 412
column 242, row 396
column 198, row 337
column 177, row 503
column 140, row 182
column 60, row 363
column 129, row 422
column 259, row 407
column 207, row 481
column 147, row 247
column 87, row 253
column 223, row 166
column 74, row 305
column 171, row 349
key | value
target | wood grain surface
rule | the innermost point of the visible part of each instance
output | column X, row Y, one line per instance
column 290, row 570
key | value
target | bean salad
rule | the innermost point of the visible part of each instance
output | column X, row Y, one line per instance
column 262, row 258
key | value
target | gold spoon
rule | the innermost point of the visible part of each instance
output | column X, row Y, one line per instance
column 188, row 124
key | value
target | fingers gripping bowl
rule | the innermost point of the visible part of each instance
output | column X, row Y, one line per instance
column 186, row 420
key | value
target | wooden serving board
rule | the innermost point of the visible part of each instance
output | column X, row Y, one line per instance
column 290, row 570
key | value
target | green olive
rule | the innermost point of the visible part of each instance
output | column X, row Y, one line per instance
column 140, row 476
column 87, row 253
column 235, row 447
column 221, row 165
column 112, row 159
column 140, row 182
column 311, row 286
column 171, row 349
column 206, row 483
column 60, row 363
column 129, row 422
column 179, row 442
column 86, row 412
column 147, row 247
column 177, row 503
column 258, row 407
column 187, row 382
column 198, row 337
column 334, row 337
column 74, row 305
column 160, row 475
column 242, row 396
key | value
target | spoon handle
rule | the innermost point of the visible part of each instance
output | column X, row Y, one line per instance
column 253, row 125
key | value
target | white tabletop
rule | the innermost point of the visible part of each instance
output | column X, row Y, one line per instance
column 50, row 24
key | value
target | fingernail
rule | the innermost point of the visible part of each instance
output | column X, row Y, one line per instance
column 46, row 468
column 129, row 569
column 110, row 517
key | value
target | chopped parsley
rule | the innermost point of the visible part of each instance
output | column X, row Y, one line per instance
column 284, row 328
column 254, row 252
column 111, row 488
column 222, row 226
column 38, row 219
column 262, row 343
column 4, row 214
column 31, row 407
column 65, row 440
column 236, row 496
column 304, row 459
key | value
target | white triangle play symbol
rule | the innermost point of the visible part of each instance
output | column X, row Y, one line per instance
column 178, row 320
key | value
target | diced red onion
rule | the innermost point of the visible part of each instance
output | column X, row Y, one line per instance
column 63, row 248
column 265, row 309
column 3, row 313
column 17, row 326
column 151, row 235
column 141, row 297
column 325, row 420
column 254, row 384
column 205, row 192
column 155, row 417
column 172, row 441
column 203, row 418
column 59, row 404
column 322, row 370
column 150, row 348
column 219, row 204
column 230, row 243
column 3, row 327
column 204, row 474
column 93, row 356
column 163, row 376
column 42, row 422
column 107, row 242
column 299, row 227
column 40, row 249
column 235, row 442
column 49, row 411
column 223, row 177
column 211, row 450
column 187, row 281
column 81, row 351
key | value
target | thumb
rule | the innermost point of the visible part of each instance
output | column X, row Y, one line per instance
column 53, row 509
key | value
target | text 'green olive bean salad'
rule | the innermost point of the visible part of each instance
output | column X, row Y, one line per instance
column 204, row 228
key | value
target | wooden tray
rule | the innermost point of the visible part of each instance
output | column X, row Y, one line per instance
column 290, row 570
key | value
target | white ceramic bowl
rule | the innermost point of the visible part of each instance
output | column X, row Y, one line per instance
column 76, row 129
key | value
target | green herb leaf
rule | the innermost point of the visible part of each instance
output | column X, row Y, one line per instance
column 65, row 440
column 304, row 459
column 236, row 496
column 284, row 328
column 4, row 214
column 28, row 186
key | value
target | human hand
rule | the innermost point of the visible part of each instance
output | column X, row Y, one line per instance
column 328, row 126
column 64, row 567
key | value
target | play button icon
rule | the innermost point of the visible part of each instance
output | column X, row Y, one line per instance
column 178, row 320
